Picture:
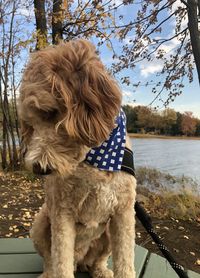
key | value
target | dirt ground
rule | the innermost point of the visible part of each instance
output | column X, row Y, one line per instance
column 21, row 196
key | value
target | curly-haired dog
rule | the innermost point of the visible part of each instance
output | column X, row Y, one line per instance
column 68, row 105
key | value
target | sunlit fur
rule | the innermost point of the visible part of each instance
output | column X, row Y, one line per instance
column 68, row 103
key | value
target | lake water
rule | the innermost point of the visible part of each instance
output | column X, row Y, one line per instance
column 174, row 156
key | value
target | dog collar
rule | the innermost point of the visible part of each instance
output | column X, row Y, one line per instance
column 128, row 162
column 109, row 155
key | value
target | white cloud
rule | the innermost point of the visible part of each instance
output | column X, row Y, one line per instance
column 109, row 60
column 133, row 104
column 26, row 11
column 128, row 97
column 175, row 6
column 150, row 68
column 147, row 68
column 193, row 107
column 171, row 45
column 117, row 2
column 127, row 93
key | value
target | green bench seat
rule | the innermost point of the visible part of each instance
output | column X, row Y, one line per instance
column 18, row 259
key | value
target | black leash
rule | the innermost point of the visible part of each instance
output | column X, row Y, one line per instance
column 128, row 166
column 147, row 223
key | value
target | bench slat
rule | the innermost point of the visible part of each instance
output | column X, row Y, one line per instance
column 158, row 267
column 27, row 263
column 140, row 259
column 34, row 275
column 19, row 275
column 18, row 259
column 16, row 246
column 193, row 274
column 14, row 257
column 20, row 263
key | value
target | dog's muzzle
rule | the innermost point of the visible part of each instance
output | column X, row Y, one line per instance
column 38, row 170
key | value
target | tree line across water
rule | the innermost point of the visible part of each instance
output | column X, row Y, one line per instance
column 142, row 119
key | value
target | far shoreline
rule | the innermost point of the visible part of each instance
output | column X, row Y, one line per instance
column 154, row 136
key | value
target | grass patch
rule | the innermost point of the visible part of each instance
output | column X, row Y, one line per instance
column 165, row 195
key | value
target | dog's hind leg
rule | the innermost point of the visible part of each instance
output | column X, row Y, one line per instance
column 97, row 257
column 41, row 236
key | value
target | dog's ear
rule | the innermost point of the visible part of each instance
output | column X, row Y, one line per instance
column 91, row 96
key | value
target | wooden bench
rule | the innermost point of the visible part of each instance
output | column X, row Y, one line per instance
column 18, row 259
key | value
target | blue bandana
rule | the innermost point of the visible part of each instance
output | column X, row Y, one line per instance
column 109, row 155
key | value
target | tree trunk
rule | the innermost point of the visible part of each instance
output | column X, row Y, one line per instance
column 4, row 146
column 193, row 7
column 41, row 24
column 57, row 22
column 198, row 3
column 9, row 151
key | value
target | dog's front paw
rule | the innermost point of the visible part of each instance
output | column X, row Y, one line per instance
column 44, row 275
column 102, row 273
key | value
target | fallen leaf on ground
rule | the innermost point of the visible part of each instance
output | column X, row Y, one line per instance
column 197, row 262
column 166, row 228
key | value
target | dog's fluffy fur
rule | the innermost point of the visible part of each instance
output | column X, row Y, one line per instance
column 68, row 104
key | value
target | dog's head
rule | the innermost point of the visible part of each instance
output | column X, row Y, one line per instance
column 67, row 101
